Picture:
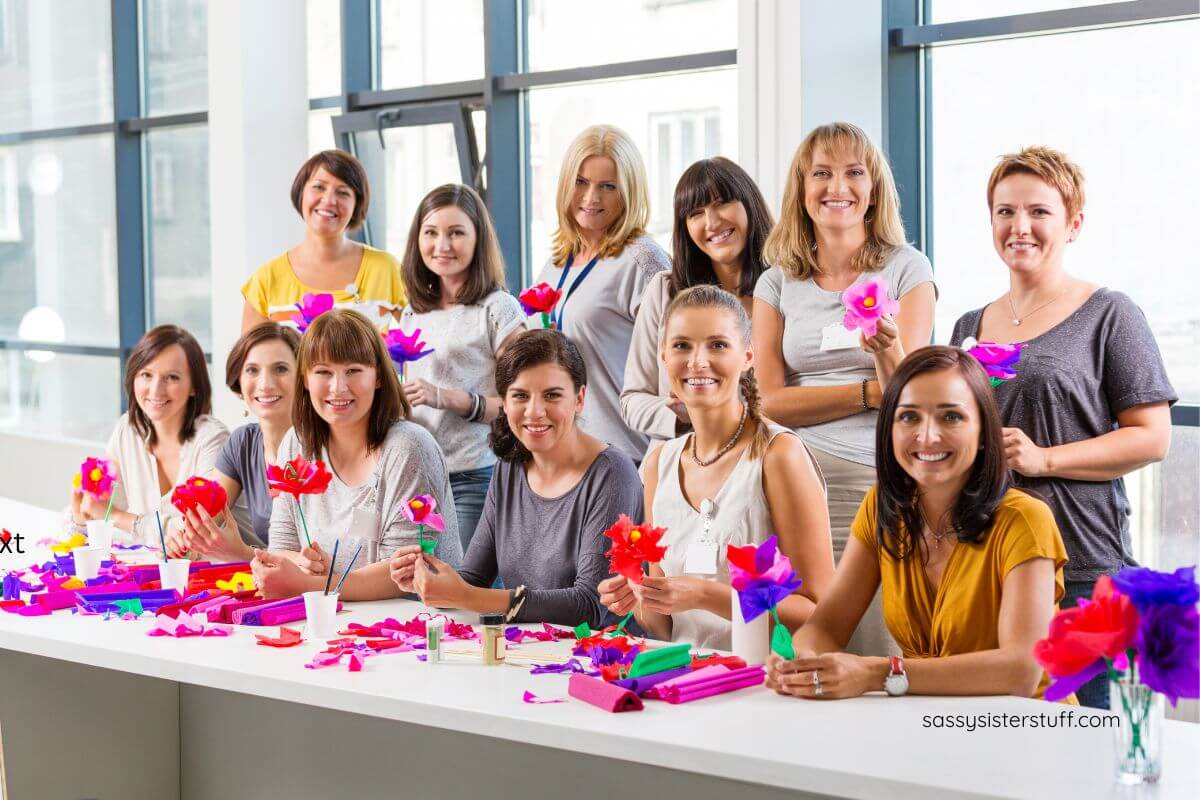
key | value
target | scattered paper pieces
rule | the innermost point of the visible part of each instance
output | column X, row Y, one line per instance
column 288, row 637
column 533, row 699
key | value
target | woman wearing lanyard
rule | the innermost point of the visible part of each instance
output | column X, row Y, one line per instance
column 840, row 225
column 602, row 260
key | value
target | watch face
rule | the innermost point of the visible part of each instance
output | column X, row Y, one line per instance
column 896, row 685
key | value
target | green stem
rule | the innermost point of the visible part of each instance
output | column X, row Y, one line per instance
column 112, row 496
column 545, row 320
column 303, row 521
column 625, row 621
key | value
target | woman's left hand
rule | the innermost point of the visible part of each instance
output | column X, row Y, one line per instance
column 421, row 393
column 276, row 576
column 887, row 337
column 671, row 595
column 1023, row 455
column 437, row 583
column 829, row 676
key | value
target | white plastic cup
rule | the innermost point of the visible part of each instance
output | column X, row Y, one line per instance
column 320, row 612
column 100, row 535
column 87, row 561
column 173, row 574
column 751, row 640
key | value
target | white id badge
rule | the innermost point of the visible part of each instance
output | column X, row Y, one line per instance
column 836, row 337
column 701, row 559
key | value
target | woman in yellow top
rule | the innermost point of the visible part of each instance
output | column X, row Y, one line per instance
column 331, row 195
column 967, row 596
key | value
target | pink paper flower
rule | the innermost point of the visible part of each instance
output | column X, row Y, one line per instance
column 96, row 477
column 866, row 303
column 999, row 360
column 310, row 307
column 404, row 347
column 420, row 510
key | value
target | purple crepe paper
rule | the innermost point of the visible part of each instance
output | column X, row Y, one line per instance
column 572, row 665
column 647, row 682
column 12, row 587
column 533, row 699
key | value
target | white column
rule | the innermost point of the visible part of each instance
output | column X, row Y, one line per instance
column 257, row 139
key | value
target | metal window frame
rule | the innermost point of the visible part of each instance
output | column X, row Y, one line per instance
column 907, row 83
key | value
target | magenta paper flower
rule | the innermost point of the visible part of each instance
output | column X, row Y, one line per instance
column 96, row 477
column 420, row 510
column 762, row 576
column 999, row 360
column 310, row 307
column 866, row 303
column 404, row 347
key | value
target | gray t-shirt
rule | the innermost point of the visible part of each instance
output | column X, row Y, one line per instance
column 807, row 309
column 554, row 546
column 410, row 464
column 1071, row 383
column 598, row 317
column 243, row 459
column 464, row 341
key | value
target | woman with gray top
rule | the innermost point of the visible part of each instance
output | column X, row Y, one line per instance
column 350, row 413
column 602, row 261
column 1090, row 401
column 840, row 225
column 555, row 491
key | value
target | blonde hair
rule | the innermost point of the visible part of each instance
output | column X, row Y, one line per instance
column 1051, row 166
column 710, row 296
column 793, row 243
column 614, row 143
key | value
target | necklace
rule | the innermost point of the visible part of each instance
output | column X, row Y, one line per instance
column 1017, row 319
column 732, row 440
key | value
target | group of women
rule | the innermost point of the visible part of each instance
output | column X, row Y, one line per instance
column 936, row 520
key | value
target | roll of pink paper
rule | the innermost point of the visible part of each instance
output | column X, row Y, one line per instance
column 706, row 682
column 603, row 695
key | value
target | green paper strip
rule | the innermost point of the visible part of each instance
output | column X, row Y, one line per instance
column 781, row 639
column 661, row 660
column 583, row 630
column 131, row 606
column 621, row 625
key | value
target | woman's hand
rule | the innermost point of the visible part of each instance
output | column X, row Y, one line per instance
column 617, row 595
column 829, row 676
column 679, row 409
column 90, row 507
column 422, row 393
column 277, row 576
column 313, row 560
column 671, row 595
column 202, row 534
column 437, row 583
column 887, row 337
column 176, row 540
column 1023, row 455
column 402, row 566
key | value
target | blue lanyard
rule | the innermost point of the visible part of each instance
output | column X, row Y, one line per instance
column 556, row 316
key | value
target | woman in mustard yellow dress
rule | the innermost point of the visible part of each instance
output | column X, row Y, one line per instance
column 971, row 568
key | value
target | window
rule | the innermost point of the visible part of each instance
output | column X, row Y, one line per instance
column 430, row 41
column 324, row 48
column 677, row 140
column 10, row 213
column 175, row 35
column 39, row 393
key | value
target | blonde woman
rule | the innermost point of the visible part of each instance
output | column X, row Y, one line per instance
column 602, row 259
column 840, row 225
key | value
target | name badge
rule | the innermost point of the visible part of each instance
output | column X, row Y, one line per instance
column 701, row 559
column 836, row 337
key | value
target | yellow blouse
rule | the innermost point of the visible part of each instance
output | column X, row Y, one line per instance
column 273, row 290
column 963, row 615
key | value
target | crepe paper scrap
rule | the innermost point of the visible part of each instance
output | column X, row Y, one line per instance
column 533, row 699
column 32, row 610
column 606, row 696
column 72, row 583
column 11, row 605
column 582, row 630
column 12, row 587
column 310, row 307
column 392, row 628
column 66, row 546
column 866, row 303
column 700, row 660
column 405, row 347
column 707, row 682
column 288, row 637
column 632, row 546
column 571, row 666
column 661, row 659
column 622, row 643
column 420, row 509
column 356, row 662
column 96, row 477
column 187, row 625
column 240, row 582
column 999, row 360
column 516, row 635
column 296, row 477
column 645, row 683
column 131, row 606
column 540, row 299
column 197, row 492
column 152, row 600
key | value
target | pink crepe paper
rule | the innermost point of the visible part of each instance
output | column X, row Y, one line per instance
column 706, row 682
column 392, row 628
column 356, row 662
column 533, row 699
column 187, row 625
column 866, row 303
column 603, row 695
column 549, row 633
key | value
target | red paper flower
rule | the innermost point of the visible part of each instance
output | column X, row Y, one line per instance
column 539, row 299
column 203, row 492
column 298, row 477
column 633, row 545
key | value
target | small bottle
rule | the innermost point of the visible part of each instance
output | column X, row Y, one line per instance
column 433, row 639
column 494, row 642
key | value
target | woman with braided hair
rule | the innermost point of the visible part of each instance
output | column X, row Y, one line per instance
column 737, row 479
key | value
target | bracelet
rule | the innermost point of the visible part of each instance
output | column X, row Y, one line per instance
column 864, row 396
column 478, row 407
column 516, row 600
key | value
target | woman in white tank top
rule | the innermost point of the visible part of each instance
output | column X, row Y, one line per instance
column 738, row 479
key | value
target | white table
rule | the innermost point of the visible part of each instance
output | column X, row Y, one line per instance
column 94, row 708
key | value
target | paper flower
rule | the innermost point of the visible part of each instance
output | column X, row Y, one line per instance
column 310, row 307
column 420, row 510
column 762, row 577
column 866, row 303
column 999, row 360
column 1168, row 650
column 404, row 347
column 539, row 299
column 96, row 477
column 1146, row 587
column 202, row 492
column 296, row 477
column 633, row 545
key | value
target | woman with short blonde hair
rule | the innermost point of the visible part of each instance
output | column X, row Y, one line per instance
column 602, row 259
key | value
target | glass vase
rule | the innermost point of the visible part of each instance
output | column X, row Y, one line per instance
column 1137, row 741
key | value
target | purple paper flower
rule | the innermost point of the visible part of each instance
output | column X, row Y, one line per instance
column 761, row 575
column 310, row 307
column 1146, row 587
column 404, row 347
column 999, row 360
column 1168, row 645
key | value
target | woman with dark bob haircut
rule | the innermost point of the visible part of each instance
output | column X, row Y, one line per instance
column 331, row 195
column 553, row 493
column 721, row 226
column 166, row 437
column 971, row 568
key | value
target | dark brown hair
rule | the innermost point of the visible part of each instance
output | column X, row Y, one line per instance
column 898, row 522
column 262, row 332
column 146, row 350
column 345, row 168
column 344, row 336
column 710, row 180
column 530, row 349
column 486, row 271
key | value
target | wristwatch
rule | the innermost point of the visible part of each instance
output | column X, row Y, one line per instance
column 896, row 682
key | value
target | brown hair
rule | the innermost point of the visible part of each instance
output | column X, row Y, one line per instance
column 530, row 349
column 345, row 168
column 896, row 496
column 793, row 243
column 262, row 332
column 344, row 336
column 710, row 296
column 146, row 350
column 707, row 181
column 485, row 274
column 1051, row 166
